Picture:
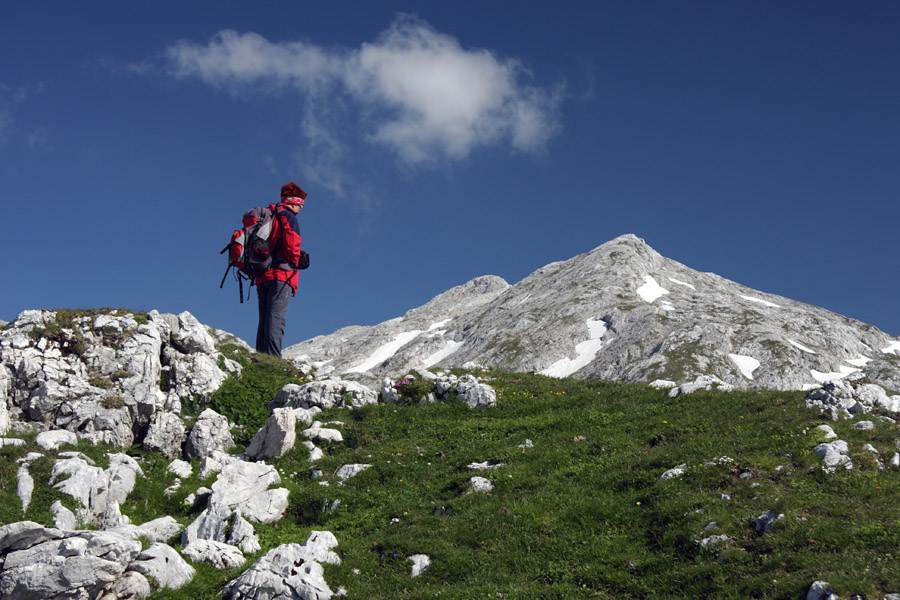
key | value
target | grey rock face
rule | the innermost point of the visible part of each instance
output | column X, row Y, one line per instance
column 619, row 312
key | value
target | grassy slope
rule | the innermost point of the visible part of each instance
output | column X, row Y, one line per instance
column 580, row 514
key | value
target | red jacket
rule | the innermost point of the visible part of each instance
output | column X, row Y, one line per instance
column 285, row 247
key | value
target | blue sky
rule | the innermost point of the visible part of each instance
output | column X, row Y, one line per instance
column 440, row 141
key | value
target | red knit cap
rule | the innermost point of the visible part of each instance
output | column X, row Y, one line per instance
column 291, row 189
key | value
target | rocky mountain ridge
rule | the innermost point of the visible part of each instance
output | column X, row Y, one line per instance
column 619, row 312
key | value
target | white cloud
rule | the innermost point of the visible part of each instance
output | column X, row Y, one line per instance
column 415, row 90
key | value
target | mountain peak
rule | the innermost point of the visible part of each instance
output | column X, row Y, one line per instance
column 619, row 312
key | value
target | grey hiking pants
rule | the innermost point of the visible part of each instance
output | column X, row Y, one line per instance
column 274, row 299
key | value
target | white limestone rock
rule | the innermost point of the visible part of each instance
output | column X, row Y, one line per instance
column 52, row 440
column 290, row 571
column 476, row 395
column 672, row 473
column 420, row 563
column 180, row 468
column 24, row 487
column 166, row 434
column 328, row 393
column 63, row 518
column 834, row 454
column 348, row 471
column 161, row 529
column 764, row 522
column 74, row 565
column 218, row 554
column 244, row 486
column 480, row 485
column 210, row 433
column 828, row 431
column 276, row 438
column 702, row 382
column 164, row 565
column 323, row 435
column 193, row 337
column 130, row 586
column 820, row 590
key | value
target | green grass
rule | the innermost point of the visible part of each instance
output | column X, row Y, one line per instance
column 580, row 514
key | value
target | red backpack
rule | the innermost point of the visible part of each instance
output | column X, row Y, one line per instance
column 249, row 250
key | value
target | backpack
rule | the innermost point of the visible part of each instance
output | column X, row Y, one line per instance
column 249, row 249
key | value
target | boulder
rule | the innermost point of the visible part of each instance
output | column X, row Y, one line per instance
column 480, row 485
column 244, row 486
column 63, row 518
column 348, row 471
column 181, row 468
column 5, row 385
column 99, row 491
column 475, row 394
column 281, row 574
column 166, row 434
column 320, row 434
column 420, row 563
column 276, row 438
column 672, row 473
column 834, row 455
column 210, row 433
column 131, row 585
column 193, row 337
column 164, row 565
column 52, row 440
column 76, row 565
column 324, row 394
column 702, row 382
column 162, row 529
column 764, row 522
column 290, row 571
column 218, row 554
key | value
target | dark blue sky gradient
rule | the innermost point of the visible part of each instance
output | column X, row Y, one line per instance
column 756, row 140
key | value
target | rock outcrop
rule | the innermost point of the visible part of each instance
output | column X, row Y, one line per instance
column 110, row 377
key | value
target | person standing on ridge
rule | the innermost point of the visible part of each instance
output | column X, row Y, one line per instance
column 275, row 287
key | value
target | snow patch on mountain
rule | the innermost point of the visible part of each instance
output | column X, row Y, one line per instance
column 684, row 283
column 585, row 351
column 385, row 351
column 859, row 362
column 443, row 353
column 761, row 301
column 893, row 348
column 651, row 290
column 746, row 364
column 801, row 346
column 829, row 377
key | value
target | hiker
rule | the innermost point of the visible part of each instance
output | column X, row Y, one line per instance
column 275, row 287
